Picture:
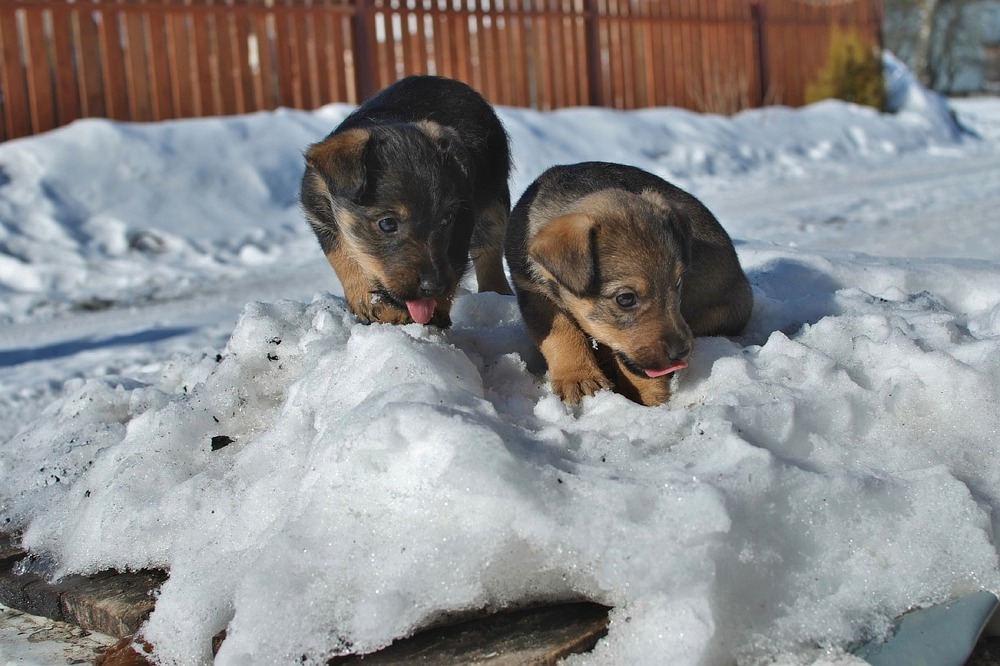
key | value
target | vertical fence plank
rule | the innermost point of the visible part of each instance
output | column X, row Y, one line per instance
column 184, row 97
column 41, row 98
column 287, row 69
column 502, row 28
column 229, row 81
column 418, row 38
column 578, row 55
column 364, row 48
column 440, row 42
column 320, row 47
column 406, row 59
column 113, row 65
column 265, row 71
column 626, row 66
column 462, row 50
column 517, row 25
column 562, row 61
column 425, row 28
column 648, row 60
column 671, row 57
column 161, row 105
column 88, row 60
column 659, row 54
column 17, row 116
column 383, row 63
column 333, row 60
column 306, row 41
column 67, row 88
column 543, row 68
column 489, row 56
column 140, row 106
column 604, row 33
column 243, row 71
column 206, row 74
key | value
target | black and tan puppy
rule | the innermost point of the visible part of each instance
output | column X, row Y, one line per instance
column 615, row 271
column 403, row 190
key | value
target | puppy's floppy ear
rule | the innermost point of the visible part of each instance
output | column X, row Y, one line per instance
column 680, row 227
column 339, row 161
column 564, row 249
column 450, row 144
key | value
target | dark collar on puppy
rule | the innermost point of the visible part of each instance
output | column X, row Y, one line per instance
column 630, row 365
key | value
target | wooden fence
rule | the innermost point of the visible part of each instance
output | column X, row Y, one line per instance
column 148, row 60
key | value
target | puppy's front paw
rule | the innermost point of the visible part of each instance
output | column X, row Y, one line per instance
column 441, row 319
column 572, row 388
column 378, row 311
column 648, row 392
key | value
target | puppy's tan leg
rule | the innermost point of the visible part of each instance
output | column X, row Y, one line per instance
column 442, row 313
column 573, row 368
column 359, row 291
column 486, row 248
column 645, row 391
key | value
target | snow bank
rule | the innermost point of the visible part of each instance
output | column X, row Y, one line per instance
column 905, row 95
column 101, row 214
column 807, row 482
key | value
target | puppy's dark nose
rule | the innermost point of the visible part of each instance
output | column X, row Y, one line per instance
column 431, row 286
column 678, row 354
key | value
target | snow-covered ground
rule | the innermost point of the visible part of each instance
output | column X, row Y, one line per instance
column 809, row 481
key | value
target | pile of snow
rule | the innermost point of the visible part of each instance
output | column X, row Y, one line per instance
column 809, row 481
column 100, row 213
column 317, row 486
column 905, row 95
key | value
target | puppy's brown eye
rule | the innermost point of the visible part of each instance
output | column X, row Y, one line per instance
column 389, row 225
column 447, row 220
column 626, row 300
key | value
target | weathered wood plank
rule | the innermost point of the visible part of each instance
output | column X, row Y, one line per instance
column 116, row 605
column 538, row 636
column 109, row 602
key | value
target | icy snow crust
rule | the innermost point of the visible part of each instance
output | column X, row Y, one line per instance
column 810, row 480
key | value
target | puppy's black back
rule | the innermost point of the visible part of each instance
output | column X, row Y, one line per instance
column 452, row 104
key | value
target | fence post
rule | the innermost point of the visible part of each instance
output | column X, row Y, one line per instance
column 757, row 17
column 593, row 45
column 364, row 51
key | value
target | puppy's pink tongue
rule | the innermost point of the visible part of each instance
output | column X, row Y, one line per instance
column 666, row 371
column 421, row 310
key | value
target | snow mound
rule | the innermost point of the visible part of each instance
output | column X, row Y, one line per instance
column 905, row 95
column 322, row 486
column 116, row 213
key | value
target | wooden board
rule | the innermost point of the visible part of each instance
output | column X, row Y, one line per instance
column 110, row 602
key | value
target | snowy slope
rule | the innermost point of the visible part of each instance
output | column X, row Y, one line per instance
column 810, row 480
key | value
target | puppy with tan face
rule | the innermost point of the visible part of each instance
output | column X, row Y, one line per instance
column 616, row 271
column 403, row 191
